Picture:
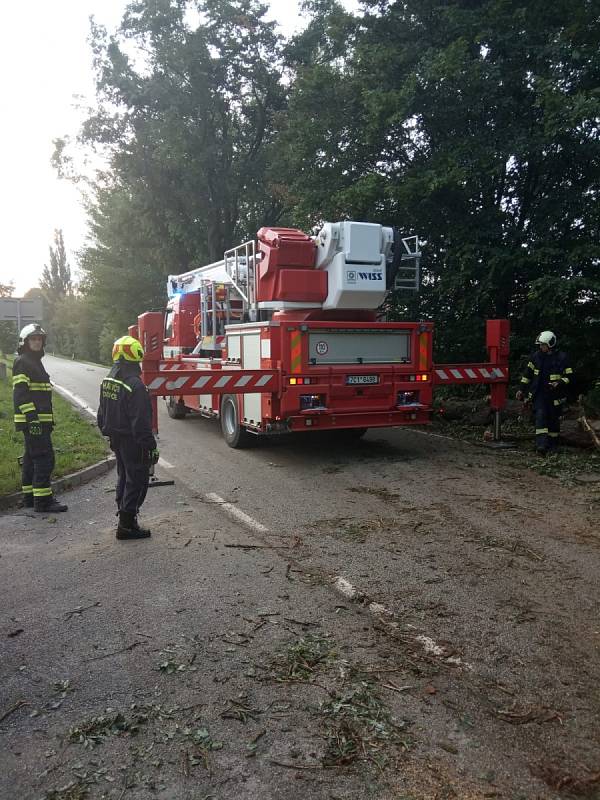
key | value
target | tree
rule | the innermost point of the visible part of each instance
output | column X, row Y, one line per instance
column 476, row 126
column 55, row 282
column 187, row 131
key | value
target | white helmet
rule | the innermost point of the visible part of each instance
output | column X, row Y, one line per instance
column 33, row 329
column 546, row 337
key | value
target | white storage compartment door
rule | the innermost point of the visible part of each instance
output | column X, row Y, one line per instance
column 251, row 404
column 359, row 347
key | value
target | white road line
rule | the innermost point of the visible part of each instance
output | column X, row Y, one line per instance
column 75, row 398
column 434, row 649
column 345, row 588
column 162, row 462
column 234, row 512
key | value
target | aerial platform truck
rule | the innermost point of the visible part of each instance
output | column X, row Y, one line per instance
column 285, row 334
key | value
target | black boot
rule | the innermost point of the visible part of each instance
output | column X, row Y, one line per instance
column 48, row 505
column 27, row 501
column 128, row 527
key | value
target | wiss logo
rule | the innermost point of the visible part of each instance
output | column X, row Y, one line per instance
column 371, row 276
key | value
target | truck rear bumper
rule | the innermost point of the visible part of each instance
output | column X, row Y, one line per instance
column 328, row 420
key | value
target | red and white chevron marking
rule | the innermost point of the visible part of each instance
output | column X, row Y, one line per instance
column 472, row 374
column 209, row 382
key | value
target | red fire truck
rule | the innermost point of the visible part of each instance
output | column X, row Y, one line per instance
column 285, row 334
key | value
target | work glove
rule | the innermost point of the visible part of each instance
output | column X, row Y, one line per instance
column 151, row 456
column 35, row 428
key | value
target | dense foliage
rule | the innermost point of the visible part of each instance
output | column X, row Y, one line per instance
column 474, row 123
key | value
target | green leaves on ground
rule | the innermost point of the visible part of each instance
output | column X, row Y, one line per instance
column 300, row 660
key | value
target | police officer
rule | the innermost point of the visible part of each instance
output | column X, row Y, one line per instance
column 544, row 384
column 125, row 416
column 32, row 398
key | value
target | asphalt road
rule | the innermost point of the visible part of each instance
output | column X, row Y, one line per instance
column 483, row 572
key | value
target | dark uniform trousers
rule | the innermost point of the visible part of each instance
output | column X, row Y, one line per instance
column 132, row 473
column 547, row 423
column 38, row 464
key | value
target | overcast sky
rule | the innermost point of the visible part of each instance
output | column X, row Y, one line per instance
column 45, row 63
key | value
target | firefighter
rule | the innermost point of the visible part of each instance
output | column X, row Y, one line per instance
column 125, row 416
column 544, row 385
column 32, row 397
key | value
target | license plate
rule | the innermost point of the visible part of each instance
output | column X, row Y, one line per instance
column 361, row 379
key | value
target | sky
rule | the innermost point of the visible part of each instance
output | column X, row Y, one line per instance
column 46, row 84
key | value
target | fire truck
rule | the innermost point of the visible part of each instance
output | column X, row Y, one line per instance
column 286, row 334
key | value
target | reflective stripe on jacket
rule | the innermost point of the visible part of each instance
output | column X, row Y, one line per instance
column 544, row 369
column 32, row 391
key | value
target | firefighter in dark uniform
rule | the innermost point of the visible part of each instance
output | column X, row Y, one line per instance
column 125, row 416
column 544, row 385
column 32, row 397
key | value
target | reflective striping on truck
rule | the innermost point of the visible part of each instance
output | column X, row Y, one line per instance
column 213, row 382
column 473, row 374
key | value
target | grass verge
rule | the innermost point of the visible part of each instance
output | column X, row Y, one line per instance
column 77, row 441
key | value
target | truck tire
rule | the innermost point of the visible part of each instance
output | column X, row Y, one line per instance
column 234, row 434
column 175, row 409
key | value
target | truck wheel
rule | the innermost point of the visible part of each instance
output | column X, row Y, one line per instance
column 175, row 409
column 234, row 434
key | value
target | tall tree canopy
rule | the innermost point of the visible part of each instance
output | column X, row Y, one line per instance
column 473, row 123
column 476, row 125
column 188, row 93
column 55, row 282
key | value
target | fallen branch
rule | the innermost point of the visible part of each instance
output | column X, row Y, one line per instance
column 14, row 708
column 260, row 546
column 81, row 609
column 294, row 766
column 587, row 427
column 115, row 652
column 395, row 688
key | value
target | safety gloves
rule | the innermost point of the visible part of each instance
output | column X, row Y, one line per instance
column 151, row 456
column 35, row 428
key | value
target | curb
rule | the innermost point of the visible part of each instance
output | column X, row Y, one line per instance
column 67, row 481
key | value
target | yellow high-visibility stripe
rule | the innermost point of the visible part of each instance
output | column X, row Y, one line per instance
column 20, row 418
column 25, row 407
column 531, row 365
column 20, row 379
column 553, row 434
column 27, row 489
column 46, row 417
column 42, row 492
column 536, row 372
column 539, row 431
column 524, row 380
column 568, row 371
column 566, row 380
column 114, row 380
column 559, row 402
column 40, row 387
